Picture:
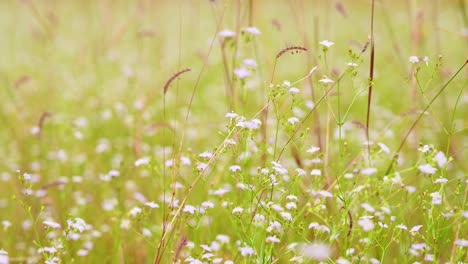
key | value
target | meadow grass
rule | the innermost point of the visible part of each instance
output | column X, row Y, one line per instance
column 233, row 131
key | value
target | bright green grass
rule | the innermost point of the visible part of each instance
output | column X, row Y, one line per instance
column 99, row 67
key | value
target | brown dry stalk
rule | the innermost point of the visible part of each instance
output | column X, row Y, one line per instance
column 175, row 76
column 182, row 243
column 42, row 121
column 296, row 49
column 371, row 79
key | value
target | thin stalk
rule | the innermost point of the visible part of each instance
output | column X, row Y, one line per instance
column 371, row 81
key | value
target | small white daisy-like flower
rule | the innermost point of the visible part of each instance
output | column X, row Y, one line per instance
column 286, row 216
column 425, row 148
column 189, row 209
column 415, row 229
column 237, row 210
column 402, row 227
column 231, row 115
column 207, row 204
column 352, row 64
column 461, row 242
column 427, row 169
column 250, row 63
column 368, row 171
column 317, row 251
column 135, row 211
column 326, row 80
column 413, row 59
column 247, row 251
column 293, row 90
column 242, row 73
column 235, row 168
column 142, row 161
column 272, row 239
column 202, row 166
column 291, row 197
column 441, row 180
column 291, row 206
column 223, row 239
column 227, row 33
column 293, row 120
column 426, row 60
column 252, row 30
column 151, row 205
column 313, row 149
column 52, row 224
column 368, row 207
column 327, row 43
column 366, row 223
column 206, row 155
column 383, row 147
column 316, row 172
column 436, row 198
column 465, row 214
column 440, row 159
column 77, row 224
column 300, row 172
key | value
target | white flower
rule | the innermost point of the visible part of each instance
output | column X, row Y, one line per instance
column 189, row 209
column 352, row 64
column 293, row 120
column 272, row 239
column 77, row 223
column 252, row 30
column 300, row 172
column 231, row 115
column 436, row 198
column 368, row 171
column 152, row 205
column 413, row 59
column 286, row 216
column 465, row 214
column 250, row 63
column 242, row 73
column 440, row 159
column 51, row 224
column 441, row 180
column 402, row 227
column 227, row 33
column 4, row 259
column 461, row 242
column 368, row 207
column 235, row 168
column 383, row 147
column 293, row 90
column 366, row 223
column 202, row 166
column 291, row 197
column 426, row 60
column 326, row 80
column 246, row 251
column 327, row 43
column 291, row 205
column 135, row 211
column 142, row 161
column 316, row 172
column 313, row 149
column 316, row 251
column 415, row 229
column 223, row 239
column 425, row 148
column 206, row 155
column 427, row 169
column 207, row 204
column 237, row 210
